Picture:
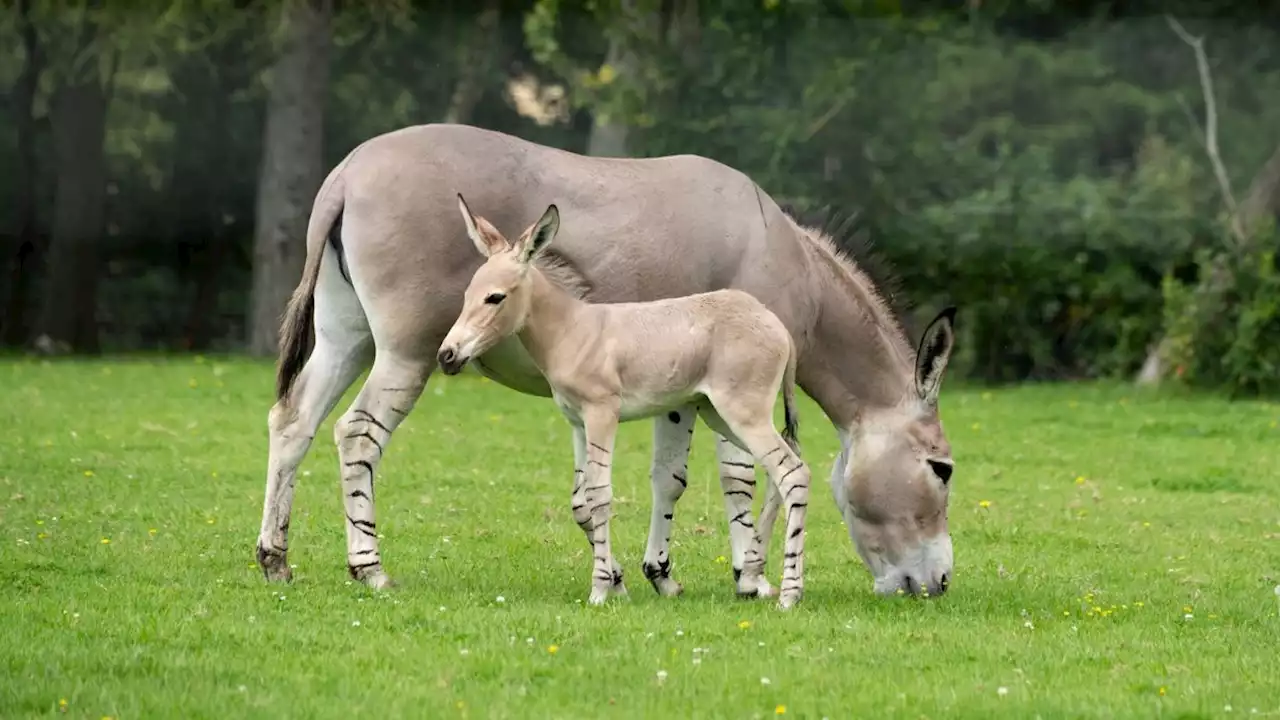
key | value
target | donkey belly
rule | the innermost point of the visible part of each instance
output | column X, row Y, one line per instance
column 638, row 407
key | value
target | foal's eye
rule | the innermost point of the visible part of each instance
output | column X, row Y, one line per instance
column 495, row 298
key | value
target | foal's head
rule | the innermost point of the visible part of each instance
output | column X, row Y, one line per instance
column 496, row 302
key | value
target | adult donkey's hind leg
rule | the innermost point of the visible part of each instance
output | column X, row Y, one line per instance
column 669, row 476
column 363, row 434
column 340, row 353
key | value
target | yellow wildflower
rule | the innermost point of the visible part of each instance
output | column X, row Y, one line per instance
column 1079, row 479
column 780, row 710
column 984, row 503
column 105, row 541
column 1161, row 691
column 744, row 624
column 553, row 649
column 721, row 559
column 88, row 473
column 152, row 532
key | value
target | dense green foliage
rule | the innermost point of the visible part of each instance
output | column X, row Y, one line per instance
column 1044, row 170
column 1097, row 576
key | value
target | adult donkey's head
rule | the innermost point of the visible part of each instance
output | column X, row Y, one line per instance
column 892, row 479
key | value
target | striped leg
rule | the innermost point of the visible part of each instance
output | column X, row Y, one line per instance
column 341, row 352
column 581, row 505
column 790, row 476
column 593, row 501
column 362, row 435
column 672, row 437
column 738, row 482
column 786, row 471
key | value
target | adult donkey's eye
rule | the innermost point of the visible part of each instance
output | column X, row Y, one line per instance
column 495, row 298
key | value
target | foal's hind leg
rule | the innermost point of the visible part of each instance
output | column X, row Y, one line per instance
column 672, row 437
column 751, row 421
column 341, row 351
column 362, row 435
column 738, row 482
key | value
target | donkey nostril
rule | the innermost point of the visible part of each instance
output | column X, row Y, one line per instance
column 911, row 585
column 944, row 583
column 446, row 356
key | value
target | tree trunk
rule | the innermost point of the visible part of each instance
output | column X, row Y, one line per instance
column 204, row 178
column 609, row 134
column 1261, row 204
column 68, row 316
column 20, row 258
column 292, row 165
column 476, row 63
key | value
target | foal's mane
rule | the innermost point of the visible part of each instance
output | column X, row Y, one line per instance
column 849, row 241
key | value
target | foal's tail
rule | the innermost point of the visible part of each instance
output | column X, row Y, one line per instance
column 791, row 419
column 298, row 316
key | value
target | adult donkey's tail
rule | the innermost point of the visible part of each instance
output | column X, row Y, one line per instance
column 791, row 419
column 298, row 316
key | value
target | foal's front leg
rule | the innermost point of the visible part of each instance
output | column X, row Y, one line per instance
column 593, row 500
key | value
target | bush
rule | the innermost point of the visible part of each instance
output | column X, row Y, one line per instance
column 1221, row 329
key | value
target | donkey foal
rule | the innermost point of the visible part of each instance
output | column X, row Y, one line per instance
column 723, row 352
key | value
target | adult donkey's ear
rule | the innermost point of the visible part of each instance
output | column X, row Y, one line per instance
column 485, row 236
column 540, row 235
column 933, row 354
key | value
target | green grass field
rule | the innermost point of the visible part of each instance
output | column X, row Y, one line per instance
column 1117, row 555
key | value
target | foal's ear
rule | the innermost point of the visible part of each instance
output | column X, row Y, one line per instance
column 540, row 235
column 933, row 354
column 486, row 237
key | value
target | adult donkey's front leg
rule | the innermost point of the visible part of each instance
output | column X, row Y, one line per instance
column 669, row 476
column 593, row 501
column 363, row 434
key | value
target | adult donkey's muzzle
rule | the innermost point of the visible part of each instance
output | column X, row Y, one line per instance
column 450, row 362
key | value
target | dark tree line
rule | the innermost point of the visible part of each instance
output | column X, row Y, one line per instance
column 1045, row 165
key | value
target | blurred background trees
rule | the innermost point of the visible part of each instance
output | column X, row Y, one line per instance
column 1043, row 165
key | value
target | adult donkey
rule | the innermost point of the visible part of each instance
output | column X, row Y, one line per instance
column 388, row 260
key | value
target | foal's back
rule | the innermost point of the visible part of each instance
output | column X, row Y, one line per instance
column 679, row 343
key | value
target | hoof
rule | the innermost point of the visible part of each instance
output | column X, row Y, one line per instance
column 788, row 600
column 275, row 565
column 756, row 587
column 667, row 587
column 373, row 577
column 598, row 596
column 380, row 581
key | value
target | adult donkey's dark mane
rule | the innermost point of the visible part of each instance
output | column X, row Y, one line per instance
column 851, row 241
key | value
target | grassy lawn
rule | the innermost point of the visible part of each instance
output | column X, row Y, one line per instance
column 1116, row 556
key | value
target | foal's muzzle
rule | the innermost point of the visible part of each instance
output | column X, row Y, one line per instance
column 450, row 362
